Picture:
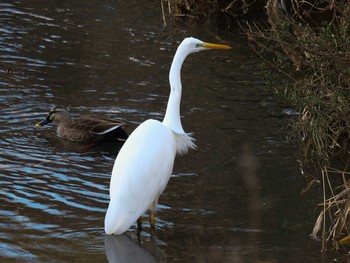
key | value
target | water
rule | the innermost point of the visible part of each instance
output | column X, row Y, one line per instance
column 235, row 199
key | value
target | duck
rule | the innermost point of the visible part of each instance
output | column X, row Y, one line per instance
column 85, row 128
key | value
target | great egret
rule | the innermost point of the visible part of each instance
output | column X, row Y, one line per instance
column 85, row 128
column 144, row 164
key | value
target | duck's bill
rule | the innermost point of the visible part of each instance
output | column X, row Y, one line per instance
column 42, row 123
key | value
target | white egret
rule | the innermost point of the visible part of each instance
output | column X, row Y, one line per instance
column 144, row 164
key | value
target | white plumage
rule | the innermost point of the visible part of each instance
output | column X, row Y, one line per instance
column 145, row 162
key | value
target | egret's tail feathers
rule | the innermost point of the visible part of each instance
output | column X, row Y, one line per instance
column 117, row 222
column 184, row 142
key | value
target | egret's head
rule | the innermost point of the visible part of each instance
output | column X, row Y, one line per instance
column 56, row 114
column 193, row 45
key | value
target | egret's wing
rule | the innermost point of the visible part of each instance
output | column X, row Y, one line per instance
column 140, row 174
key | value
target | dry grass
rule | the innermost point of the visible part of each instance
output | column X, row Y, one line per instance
column 333, row 220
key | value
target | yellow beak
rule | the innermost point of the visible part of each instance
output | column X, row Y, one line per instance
column 216, row 46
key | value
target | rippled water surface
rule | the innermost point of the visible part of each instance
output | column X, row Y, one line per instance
column 234, row 199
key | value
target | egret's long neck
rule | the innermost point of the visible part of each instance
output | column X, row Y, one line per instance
column 172, row 114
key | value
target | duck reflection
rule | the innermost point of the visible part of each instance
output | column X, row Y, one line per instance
column 121, row 248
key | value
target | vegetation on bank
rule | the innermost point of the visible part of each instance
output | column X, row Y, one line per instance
column 211, row 10
column 304, row 47
column 306, row 52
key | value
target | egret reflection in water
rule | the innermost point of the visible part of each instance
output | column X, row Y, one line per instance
column 121, row 249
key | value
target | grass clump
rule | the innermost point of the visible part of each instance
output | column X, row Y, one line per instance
column 311, row 71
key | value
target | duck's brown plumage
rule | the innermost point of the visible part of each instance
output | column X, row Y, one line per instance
column 85, row 128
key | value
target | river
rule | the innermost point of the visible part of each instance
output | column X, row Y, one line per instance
column 234, row 199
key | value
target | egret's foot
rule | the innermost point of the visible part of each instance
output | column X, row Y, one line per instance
column 138, row 235
column 152, row 220
column 152, row 232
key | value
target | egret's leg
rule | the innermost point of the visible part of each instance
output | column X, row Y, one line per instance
column 139, row 229
column 152, row 220
column 139, row 223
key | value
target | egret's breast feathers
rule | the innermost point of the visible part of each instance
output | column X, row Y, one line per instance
column 184, row 142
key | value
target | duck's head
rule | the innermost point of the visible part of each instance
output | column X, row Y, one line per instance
column 56, row 114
